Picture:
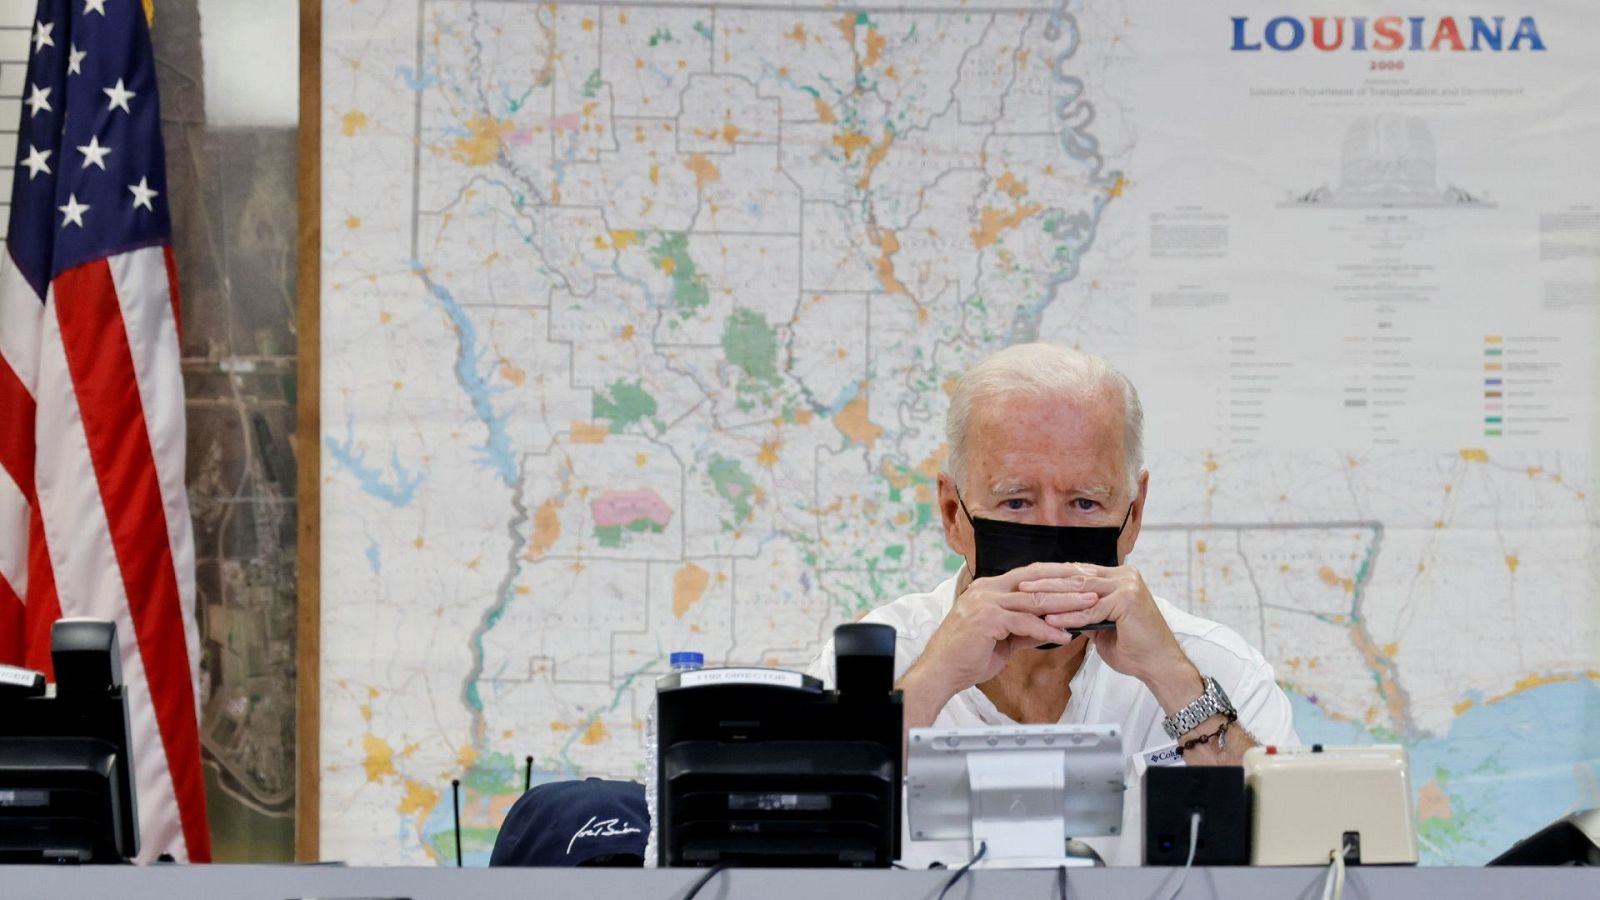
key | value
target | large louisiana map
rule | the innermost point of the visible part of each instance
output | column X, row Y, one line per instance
column 638, row 320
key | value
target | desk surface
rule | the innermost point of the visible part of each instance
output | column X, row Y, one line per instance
column 284, row 882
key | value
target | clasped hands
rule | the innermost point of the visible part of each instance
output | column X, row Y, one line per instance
column 999, row 616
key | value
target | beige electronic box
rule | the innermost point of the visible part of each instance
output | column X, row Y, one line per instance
column 1309, row 801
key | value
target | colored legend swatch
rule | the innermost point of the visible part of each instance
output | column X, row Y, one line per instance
column 1493, row 420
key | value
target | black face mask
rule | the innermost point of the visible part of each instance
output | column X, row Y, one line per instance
column 1001, row 546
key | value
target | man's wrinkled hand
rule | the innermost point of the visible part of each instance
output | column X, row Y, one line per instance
column 1142, row 645
column 992, row 619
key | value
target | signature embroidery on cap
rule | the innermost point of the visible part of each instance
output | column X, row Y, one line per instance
column 601, row 828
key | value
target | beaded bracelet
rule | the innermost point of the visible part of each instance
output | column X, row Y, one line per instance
column 1220, row 734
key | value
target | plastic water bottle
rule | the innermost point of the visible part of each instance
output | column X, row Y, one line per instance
column 681, row 661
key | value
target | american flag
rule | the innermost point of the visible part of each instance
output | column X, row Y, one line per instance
column 94, row 518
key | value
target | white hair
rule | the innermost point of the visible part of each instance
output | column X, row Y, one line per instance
column 1042, row 370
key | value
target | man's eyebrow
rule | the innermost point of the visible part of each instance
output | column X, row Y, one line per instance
column 1009, row 488
column 1099, row 491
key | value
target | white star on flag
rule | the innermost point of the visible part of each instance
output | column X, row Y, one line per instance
column 41, row 35
column 74, row 211
column 142, row 194
column 38, row 98
column 119, row 97
column 75, row 60
column 98, row 6
column 36, row 161
column 94, row 154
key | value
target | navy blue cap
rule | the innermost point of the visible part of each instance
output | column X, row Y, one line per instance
column 575, row 823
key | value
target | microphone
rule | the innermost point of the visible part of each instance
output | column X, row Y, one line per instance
column 455, row 799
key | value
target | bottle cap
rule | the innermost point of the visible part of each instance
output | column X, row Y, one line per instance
column 687, row 658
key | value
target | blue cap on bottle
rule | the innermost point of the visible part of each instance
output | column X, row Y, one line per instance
column 688, row 659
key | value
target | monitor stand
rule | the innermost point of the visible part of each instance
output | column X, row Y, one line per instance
column 1017, row 799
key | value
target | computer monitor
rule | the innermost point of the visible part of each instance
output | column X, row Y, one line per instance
column 763, row 767
column 1019, row 791
column 66, row 786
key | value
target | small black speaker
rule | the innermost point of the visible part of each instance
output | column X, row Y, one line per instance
column 1572, row 841
column 1172, row 794
column 863, row 654
column 86, row 657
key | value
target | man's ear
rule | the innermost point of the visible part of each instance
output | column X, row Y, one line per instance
column 957, row 530
column 1130, row 534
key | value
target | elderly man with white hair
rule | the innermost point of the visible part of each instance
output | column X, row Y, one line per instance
column 1046, row 462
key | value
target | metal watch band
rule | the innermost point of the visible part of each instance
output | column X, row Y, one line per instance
column 1210, row 702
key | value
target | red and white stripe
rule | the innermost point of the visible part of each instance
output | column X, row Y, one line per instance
column 101, row 375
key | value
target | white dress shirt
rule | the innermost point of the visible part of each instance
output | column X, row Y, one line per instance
column 1100, row 696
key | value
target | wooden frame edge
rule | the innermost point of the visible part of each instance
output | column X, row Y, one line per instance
column 308, row 446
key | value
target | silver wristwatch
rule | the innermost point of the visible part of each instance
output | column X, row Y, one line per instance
column 1212, row 702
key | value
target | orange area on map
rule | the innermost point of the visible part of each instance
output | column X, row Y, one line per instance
column 379, row 759
column 889, row 245
column 511, row 373
column 991, row 222
column 850, row 141
column 1394, row 700
column 1532, row 681
column 854, row 423
column 875, row 44
column 688, row 585
column 588, row 433
column 768, row 454
column 419, row 798
column 1512, row 562
column 482, row 144
column 1010, row 184
column 352, row 122
column 704, row 171
column 546, row 529
column 824, row 111
column 594, row 734
column 1331, row 578
column 893, row 474
column 1475, row 455
column 1433, row 803
column 879, row 151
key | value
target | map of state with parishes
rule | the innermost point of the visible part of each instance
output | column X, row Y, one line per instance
column 638, row 325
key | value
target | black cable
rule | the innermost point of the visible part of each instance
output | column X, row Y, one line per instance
column 455, row 803
column 1061, row 881
column 983, row 847
column 710, row 874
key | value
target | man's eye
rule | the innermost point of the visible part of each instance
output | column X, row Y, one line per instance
column 1085, row 504
column 1014, row 504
